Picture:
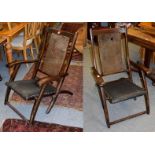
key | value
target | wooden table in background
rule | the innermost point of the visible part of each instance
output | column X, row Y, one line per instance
column 9, row 34
column 139, row 37
column 81, row 28
column 147, row 27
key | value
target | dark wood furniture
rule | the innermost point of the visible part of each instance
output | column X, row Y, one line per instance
column 52, row 63
column 98, row 25
column 110, row 56
column 142, row 38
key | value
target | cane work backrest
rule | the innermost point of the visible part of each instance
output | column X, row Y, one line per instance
column 109, row 51
column 58, row 53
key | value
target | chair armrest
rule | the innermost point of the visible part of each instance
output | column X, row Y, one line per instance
column 19, row 62
column 141, row 67
column 144, row 69
column 98, row 78
column 46, row 80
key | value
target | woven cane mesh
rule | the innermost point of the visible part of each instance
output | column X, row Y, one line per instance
column 55, row 54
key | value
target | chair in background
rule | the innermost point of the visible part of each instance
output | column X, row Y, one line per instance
column 53, row 63
column 24, row 41
column 110, row 56
column 38, row 28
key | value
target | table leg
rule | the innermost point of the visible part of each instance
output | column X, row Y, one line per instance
column 148, row 54
column 9, row 54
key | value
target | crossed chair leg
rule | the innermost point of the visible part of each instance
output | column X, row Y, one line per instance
column 36, row 104
column 52, row 103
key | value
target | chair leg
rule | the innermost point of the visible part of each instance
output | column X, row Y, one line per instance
column 56, row 95
column 104, row 104
column 17, row 112
column 39, row 40
column 100, row 94
column 146, row 96
column 34, row 110
column 25, row 56
column 36, row 45
column 36, row 105
column 32, row 55
column 7, row 95
column 52, row 103
column 147, row 103
column 12, row 107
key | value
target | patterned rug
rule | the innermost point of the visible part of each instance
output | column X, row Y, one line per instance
column 73, row 83
column 16, row 125
column 77, row 56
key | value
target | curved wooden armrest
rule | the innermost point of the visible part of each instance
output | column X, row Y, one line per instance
column 19, row 62
column 141, row 67
column 46, row 80
column 133, row 64
column 98, row 78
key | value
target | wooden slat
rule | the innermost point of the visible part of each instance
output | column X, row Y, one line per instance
column 128, row 117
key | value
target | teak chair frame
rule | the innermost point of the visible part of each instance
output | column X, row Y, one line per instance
column 49, row 79
column 98, row 74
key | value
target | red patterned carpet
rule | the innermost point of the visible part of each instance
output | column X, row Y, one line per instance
column 73, row 83
column 15, row 125
column 77, row 56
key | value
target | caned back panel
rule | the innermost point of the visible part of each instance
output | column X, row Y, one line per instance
column 111, row 53
column 55, row 54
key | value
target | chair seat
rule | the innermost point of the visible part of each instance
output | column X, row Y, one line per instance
column 28, row 89
column 18, row 42
column 122, row 89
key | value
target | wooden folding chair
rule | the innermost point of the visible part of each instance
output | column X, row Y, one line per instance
column 53, row 62
column 110, row 56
